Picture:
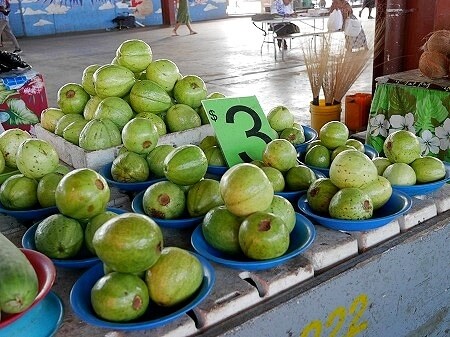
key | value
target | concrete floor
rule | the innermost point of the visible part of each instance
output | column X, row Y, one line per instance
column 225, row 54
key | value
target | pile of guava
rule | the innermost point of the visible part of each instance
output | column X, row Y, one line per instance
column 94, row 112
column 253, row 221
column 141, row 275
column 35, row 171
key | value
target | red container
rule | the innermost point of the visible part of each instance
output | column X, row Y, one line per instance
column 357, row 108
column 23, row 106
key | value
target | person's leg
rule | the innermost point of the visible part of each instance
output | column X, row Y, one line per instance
column 174, row 31
column 191, row 31
column 370, row 13
column 6, row 29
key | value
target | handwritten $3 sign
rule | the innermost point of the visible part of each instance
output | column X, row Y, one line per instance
column 241, row 127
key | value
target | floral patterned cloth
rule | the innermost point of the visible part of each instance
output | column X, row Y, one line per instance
column 423, row 111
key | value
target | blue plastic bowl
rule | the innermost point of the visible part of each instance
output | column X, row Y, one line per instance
column 422, row 189
column 186, row 222
column 310, row 135
column 80, row 301
column 82, row 260
column 301, row 238
column 397, row 205
column 105, row 172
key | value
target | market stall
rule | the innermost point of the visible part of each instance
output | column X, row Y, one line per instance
column 352, row 276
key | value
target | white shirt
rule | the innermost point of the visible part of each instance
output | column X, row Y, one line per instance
column 278, row 7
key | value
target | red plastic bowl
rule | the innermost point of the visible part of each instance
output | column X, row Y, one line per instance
column 46, row 273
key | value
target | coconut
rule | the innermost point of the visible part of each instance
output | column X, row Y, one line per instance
column 433, row 64
column 439, row 41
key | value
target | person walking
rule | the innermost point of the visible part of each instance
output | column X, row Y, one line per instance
column 183, row 17
column 5, row 27
column 370, row 4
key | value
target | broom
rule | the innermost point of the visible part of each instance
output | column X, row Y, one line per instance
column 349, row 67
column 316, row 63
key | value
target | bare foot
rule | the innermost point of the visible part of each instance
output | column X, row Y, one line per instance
column 174, row 33
column 192, row 33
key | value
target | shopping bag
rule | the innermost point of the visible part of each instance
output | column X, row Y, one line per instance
column 335, row 21
column 352, row 27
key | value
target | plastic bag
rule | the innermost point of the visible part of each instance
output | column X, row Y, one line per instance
column 352, row 27
column 335, row 21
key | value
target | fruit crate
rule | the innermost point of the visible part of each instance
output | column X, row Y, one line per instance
column 77, row 157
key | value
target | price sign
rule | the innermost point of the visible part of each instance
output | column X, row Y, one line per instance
column 241, row 127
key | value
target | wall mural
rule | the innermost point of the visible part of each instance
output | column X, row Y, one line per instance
column 47, row 17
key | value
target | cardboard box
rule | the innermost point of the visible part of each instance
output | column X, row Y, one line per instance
column 77, row 157
column 22, row 99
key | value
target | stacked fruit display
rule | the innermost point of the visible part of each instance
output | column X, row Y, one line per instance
column 404, row 165
column 333, row 138
column 279, row 163
column 93, row 114
column 39, row 171
column 81, row 197
column 139, row 138
column 281, row 119
column 186, row 192
column 253, row 221
column 140, row 277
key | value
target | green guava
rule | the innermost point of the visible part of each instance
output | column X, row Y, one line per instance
column 82, row 194
column 59, row 237
column 134, row 54
column 190, row 90
column 245, row 189
column 175, row 277
column 220, row 229
column 49, row 118
column 163, row 72
column 280, row 118
column 128, row 242
column 164, row 200
column 263, row 236
column 119, row 297
column 36, row 157
column 71, row 98
column 280, row 154
column 130, row 167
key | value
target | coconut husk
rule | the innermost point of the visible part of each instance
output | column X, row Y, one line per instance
column 433, row 64
column 438, row 41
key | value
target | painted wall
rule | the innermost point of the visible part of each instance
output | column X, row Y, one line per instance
column 48, row 17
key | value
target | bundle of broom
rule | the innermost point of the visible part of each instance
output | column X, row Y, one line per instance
column 332, row 67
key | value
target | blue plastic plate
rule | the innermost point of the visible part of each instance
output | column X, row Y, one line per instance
column 217, row 170
column 302, row 236
column 398, row 204
column 80, row 300
column 369, row 151
column 43, row 320
column 105, row 172
column 421, row 189
column 293, row 196
column 310, row 135
column 136, row 206
column 29, row 214
column 82, row 260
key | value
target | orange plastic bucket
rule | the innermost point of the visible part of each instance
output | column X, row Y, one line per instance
column 357, row 108
column 321, row 114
